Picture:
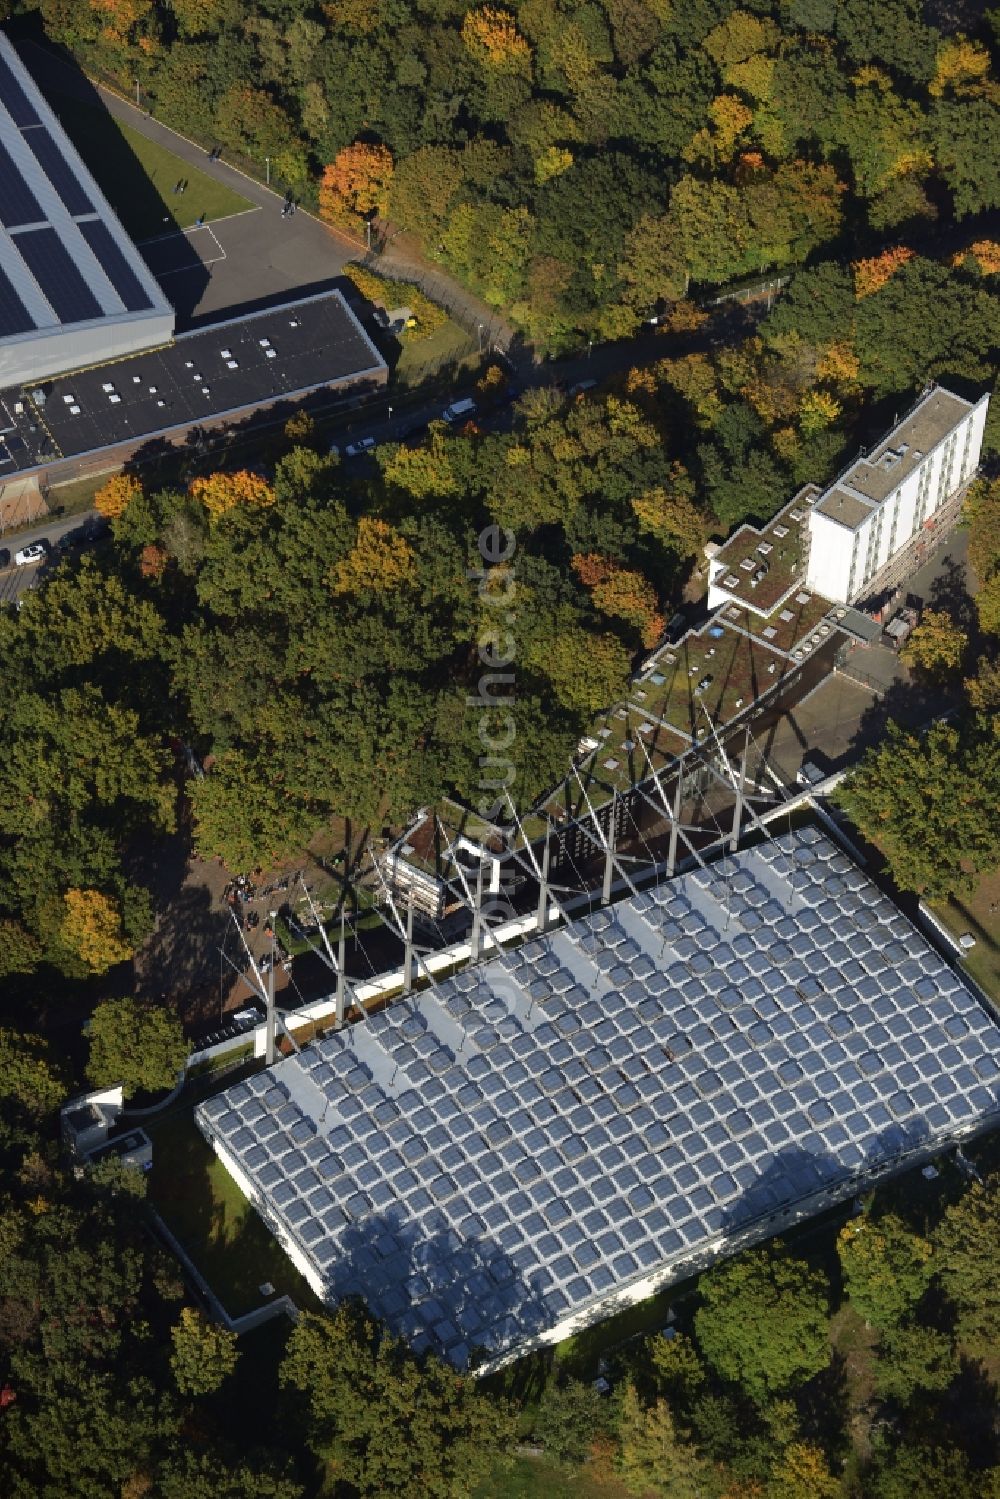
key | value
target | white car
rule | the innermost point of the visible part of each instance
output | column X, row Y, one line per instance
column 363, row 445
column 33, row 553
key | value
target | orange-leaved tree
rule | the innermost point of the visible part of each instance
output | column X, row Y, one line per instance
column 492, row 37
column 221, row 492
column 986, row 253
column 356, row 182
column 622, row 592
column 380, row 560
column 116, row 494
column 871, row 275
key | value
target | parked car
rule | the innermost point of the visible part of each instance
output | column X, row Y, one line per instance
column 4, row 557
column 460, row 411
column 334, row 450
column 33, row 553
column 581, row 386
column 355, row 449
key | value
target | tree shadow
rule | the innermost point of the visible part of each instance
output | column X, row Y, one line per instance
column 909, row 703
column 181, row 959
column 950, row 592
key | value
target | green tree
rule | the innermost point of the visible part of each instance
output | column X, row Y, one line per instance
column 886, row 1268
column 937, row 646
column 587, row 671
column 27, row 1074
column 386, row 1423
column 570, row 1416
column 931, row 803
column 914, row 1358
column 653, row 1457
column 676, row 1369
column 967, row 1242
column 204, row 1354
column 763, row 1322
column 138, row 1045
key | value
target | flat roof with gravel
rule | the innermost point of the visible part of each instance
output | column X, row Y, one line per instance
column 552, row 1134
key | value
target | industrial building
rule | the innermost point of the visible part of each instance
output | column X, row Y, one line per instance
column 838, row 540
column 514, row 1153
column 99, row 418
column 73, row 288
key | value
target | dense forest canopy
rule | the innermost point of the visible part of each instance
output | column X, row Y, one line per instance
column 315, row 637
column 577, row 162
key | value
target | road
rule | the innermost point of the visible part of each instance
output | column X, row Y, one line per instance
column 600, row 364
column 16, row 580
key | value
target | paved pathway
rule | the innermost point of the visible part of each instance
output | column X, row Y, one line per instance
column 263, row 256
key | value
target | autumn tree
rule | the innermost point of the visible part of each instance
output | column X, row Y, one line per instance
column 802, row 1472
column 92, row 929
column 672, row 516
column 626, row 594
column 380, row 561
column 492, row 38
column 936, row 648
column 116, row 494
column 356, row 182
column 139, row 1045
column 204, row 1353
column 222, row 492
column 872, row 274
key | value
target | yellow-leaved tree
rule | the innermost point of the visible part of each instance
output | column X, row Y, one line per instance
column 380, row 560
column 92, row 929
column 492, row 38
column 221, row 492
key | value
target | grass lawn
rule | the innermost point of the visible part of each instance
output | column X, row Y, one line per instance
column 972, row 913
column 77, row 496
column 422, row 357
column 137, row 175
column 222, row 1233
column 535, row 1478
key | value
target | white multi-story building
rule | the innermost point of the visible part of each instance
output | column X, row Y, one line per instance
column 836, row 542
column 882, row 501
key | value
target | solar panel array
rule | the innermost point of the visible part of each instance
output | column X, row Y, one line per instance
column 45, row 196
column 482, row 1161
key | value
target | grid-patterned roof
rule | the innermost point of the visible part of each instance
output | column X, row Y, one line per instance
column 255, row 359
column 64, row 257
column 482, row 1161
